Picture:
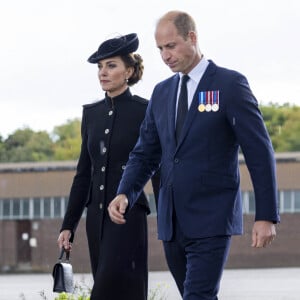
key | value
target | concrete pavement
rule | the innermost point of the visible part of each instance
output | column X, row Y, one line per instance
column 240, row 284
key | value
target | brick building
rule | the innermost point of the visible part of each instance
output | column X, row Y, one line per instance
column 33, row 198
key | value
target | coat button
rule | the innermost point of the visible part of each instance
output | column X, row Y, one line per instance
column 106, row 131
column 123, row 167
column 100, row 205
column 103, row 169
column 176, row 160
column 110, row 112
column 101, row 187
column 104, row 150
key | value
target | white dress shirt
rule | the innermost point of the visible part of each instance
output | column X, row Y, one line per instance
column 195, row 77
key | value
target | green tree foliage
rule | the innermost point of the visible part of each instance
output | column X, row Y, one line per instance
column 26, row 145
column 67, row 140
column 282, row 122
column 2, row 149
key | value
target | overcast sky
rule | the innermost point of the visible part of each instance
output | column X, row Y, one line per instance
column 45, row 77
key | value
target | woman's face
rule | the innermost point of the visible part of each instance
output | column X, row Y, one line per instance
column 113, row 75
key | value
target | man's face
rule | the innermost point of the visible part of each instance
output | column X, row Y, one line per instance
column 178, row 53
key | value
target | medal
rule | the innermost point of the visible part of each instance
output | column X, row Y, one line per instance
column 215, row 107
column 208, row 99
column 208, row 107
column 201, row 97
column 201, row 107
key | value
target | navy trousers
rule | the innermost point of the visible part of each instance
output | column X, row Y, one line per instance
column 197, row 264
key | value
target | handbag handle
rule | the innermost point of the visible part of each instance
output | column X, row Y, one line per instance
column 63, row 250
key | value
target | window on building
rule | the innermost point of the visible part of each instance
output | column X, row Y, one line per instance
column 248, row 202
column 152, row 205
column 55, row 207
column 34, row 208
column 245, row 202
column 65, row 204
column 6, row 208
column 16, row 208
column 37, row 208
column 25, row 208
column 289, row 201
column 251, row 202
column 57, row 203
column 286, row 202
column 297, row 201
column 47, row 207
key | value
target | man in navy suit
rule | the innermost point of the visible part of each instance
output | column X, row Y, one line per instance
column 200, row 206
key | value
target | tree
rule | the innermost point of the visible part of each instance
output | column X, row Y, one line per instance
column 282, row 122
column 67, row 140
column 290, row 132
column 2, row 150
column 283, row 126
column 27, row 145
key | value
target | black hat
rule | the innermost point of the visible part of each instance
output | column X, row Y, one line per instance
column 117, row 46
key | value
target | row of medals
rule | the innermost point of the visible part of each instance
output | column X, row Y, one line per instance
column 208, row 107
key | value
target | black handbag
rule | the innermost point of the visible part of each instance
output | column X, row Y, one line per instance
column 63, row 274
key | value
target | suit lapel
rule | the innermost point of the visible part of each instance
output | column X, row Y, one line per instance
column 203, row 85
column 172, row 107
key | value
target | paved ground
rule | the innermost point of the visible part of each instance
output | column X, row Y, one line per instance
column 253, row 284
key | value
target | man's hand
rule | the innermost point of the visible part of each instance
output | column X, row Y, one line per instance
column 117, row 208
column 263, row 234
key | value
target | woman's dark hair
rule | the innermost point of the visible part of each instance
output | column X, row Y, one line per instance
column 135, row 61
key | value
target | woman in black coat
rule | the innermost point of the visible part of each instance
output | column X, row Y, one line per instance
column 110, row 129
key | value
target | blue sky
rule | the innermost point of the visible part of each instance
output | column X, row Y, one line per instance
column 45, row 78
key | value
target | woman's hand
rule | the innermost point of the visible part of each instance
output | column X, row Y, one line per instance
column 64, row 240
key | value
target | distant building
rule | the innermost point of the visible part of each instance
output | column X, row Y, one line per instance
column 33, row 199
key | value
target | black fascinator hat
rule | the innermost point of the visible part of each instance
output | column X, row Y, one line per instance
column 114, row 47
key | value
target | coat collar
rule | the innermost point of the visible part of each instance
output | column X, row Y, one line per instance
column 112, row 101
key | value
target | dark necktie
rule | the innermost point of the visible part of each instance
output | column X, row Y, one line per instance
column 182, row 107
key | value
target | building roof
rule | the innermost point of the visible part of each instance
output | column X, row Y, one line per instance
column 46, row 166
column 280, row 157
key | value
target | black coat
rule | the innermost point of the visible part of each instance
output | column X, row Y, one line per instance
column 110, row 129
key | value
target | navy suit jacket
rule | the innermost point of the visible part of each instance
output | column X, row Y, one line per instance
column 200, row 175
